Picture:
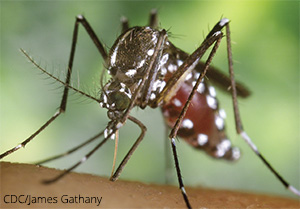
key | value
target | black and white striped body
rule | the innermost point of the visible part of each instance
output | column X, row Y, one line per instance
column 203, row 126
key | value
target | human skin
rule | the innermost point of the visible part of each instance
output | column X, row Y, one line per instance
column 26, row 179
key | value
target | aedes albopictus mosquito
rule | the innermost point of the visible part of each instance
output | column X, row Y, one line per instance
column 148, row 70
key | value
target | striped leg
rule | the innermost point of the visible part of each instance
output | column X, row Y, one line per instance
column 63, row 105
column 238, row 121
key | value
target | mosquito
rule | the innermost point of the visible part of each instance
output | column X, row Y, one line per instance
column 147, row 70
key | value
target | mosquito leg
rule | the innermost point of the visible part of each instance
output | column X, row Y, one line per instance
column 79, row 162
column 93, row 36
column 238, row 121
column 125, row 24
column 178, row 121
column 181, row 186
column 70, row 151
column 133, row 148
column 153, row 21
column 199, row 80
column 63, row 104
column 32, row 136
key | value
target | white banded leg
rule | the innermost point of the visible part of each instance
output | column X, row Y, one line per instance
column 238, row 121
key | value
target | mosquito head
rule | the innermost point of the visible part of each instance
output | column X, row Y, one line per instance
column 115, row 97
column 131, row 54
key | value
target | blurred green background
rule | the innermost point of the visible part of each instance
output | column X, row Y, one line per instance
column 265, row 37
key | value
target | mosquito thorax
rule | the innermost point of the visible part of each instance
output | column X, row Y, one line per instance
column 127, row 63
column 130, row 55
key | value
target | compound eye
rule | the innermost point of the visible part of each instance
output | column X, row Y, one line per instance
column 120, row 99
column 112, row 71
